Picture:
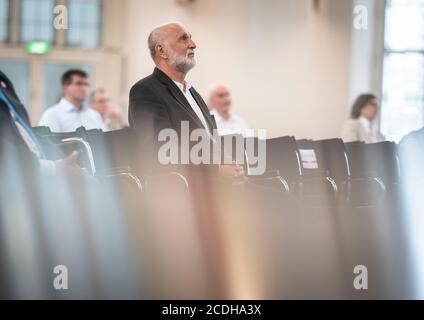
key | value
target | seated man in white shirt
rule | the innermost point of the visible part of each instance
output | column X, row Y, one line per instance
column 71, row 113
column 219, row 104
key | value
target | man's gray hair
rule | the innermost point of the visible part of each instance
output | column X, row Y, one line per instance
column 151, row 42
column 212, row 87
column 158, row 35
column 93, row 93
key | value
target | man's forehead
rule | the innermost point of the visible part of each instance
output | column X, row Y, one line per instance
column 77, row 77
column 177, row 30
column 220, row 89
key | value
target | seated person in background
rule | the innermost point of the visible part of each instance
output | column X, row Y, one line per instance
column 219, row 104
column 111, row 114
column 71, row 113
column 16, row 134
column 362, row 126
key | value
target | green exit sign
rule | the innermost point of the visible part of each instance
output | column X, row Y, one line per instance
column 38, row 47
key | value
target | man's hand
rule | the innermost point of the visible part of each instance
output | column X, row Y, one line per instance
column 233, row 173
column 69, row 165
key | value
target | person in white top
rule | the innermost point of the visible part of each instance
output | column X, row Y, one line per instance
column 362, row 126
column 71, row 113
column 219, row 103
column 112, row 114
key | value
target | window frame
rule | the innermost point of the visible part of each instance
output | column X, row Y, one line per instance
column 387, row 52
column 8, row 22
column 20, row 37
column 100, row 28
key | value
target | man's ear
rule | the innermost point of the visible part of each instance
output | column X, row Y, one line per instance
column 160, row 50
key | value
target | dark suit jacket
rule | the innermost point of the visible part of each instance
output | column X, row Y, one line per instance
column 10, row 138
column 157, row 103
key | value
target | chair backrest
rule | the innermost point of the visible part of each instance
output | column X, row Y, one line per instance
column 378, row 160
column 312, row 158
column 282, row 156
column 324, row 158
column 111, row 149
column 336, row 160
column 85, row 158
column 42, row 130
column 57, row 145
column 48, row 138
column 233, row 148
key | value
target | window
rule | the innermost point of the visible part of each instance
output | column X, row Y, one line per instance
column 403, row 69
column 4, row 20
column 37, row 20
column 84, row 23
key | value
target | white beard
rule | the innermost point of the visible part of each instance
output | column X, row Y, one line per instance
column 183, row 65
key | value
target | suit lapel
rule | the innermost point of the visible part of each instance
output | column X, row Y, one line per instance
column 178, row 95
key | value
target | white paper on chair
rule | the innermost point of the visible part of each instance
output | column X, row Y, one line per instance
column 309, row 159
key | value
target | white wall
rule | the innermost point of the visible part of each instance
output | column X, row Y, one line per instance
column 288, row 65
column 367, row 50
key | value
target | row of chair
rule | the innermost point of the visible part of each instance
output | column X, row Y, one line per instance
column 328, row 171
column 322, row 171
column 304, row 252
column 354, row 173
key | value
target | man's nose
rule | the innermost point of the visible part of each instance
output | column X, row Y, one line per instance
column 192, row 44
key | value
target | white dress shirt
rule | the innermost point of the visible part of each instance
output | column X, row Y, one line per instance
column 65, row 117
column 233, row 125
column 185, row 89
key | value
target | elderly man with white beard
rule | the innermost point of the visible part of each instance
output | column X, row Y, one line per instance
column 165, row 100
